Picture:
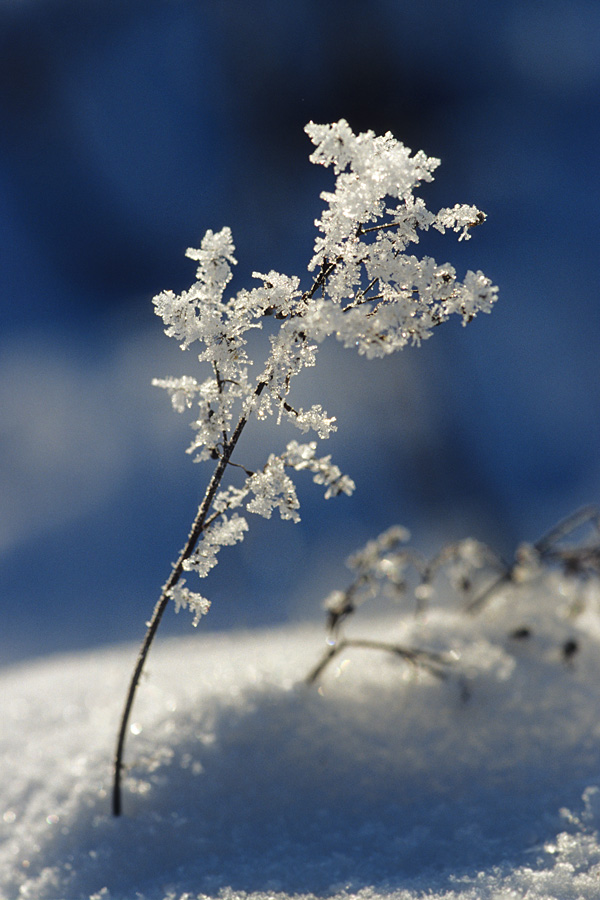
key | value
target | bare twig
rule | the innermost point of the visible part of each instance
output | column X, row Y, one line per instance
column 568, row 526
column 578, row 559
column 434, row 663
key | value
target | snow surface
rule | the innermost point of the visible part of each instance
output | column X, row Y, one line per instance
column 379, row 782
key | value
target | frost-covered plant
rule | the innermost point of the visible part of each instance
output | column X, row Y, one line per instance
column 564, row 564
column 366, row 291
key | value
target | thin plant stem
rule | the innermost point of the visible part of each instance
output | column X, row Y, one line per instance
column 576, row 559
column 432, row 662
column 200, row 523
column 198, row 526
column 568, row 525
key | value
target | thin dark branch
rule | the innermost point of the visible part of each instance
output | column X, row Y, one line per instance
column 326, row 270
column 434, row 663
column 477, row 604
column 567, row 526
column 287, row 406
column 248, row 472
column 362, row 230
column 194, row 535
column 361, row 299
column 575, row 559
column 220, row 389
column 363, row 293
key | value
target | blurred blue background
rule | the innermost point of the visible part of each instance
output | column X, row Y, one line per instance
column 129, row 127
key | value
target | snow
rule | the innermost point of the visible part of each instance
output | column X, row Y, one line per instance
column 380, row 781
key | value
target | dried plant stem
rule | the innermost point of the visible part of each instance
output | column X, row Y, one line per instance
column 575, row 559
column 476, row 605
column 566, row 526
column 197, row 528
column 434, row 662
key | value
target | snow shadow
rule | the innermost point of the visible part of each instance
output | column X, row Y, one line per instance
column 369, row 782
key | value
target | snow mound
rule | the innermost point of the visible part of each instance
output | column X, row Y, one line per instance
column 382, row 781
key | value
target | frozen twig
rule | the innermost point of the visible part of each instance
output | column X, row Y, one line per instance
column 360, row 247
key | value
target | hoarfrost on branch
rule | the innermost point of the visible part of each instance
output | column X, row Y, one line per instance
column 366, row 292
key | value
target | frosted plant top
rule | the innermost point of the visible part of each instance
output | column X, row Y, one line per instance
column 372, row 295
column 365, row 290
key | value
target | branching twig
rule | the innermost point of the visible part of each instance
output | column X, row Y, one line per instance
column 568, row 526
column 377, row 563
column 382, row 168
column 199, row 525
column 581, row 559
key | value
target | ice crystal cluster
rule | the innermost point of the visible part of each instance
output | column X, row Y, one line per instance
column 366, row 291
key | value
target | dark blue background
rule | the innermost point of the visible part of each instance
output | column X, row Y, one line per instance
column 128, row 129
